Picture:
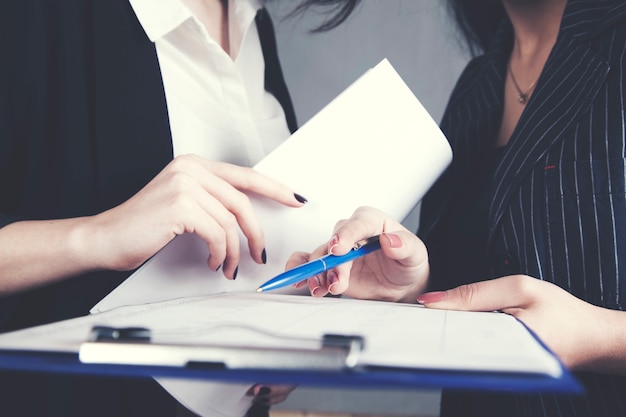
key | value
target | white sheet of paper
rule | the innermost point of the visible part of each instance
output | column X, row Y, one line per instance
column 396, row 335
column 373, row 145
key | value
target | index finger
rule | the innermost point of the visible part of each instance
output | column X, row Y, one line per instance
column 250, row 180
column 513, row 291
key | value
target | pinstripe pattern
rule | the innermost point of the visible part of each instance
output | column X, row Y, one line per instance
column 558, row 206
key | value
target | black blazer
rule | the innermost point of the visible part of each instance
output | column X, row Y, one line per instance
column 558, row 198
column 83, row 125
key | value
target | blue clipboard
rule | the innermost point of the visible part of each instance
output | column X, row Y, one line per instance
column 337, row 372
column 305, row 358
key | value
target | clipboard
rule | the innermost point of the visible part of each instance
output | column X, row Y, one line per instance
column 371, row 378
column 132, row 346
column 357, row 360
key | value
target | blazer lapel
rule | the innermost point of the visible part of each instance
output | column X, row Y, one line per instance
column 572, row 77
column 132, row 132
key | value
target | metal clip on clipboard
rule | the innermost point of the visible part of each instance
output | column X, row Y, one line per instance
column 132, row 346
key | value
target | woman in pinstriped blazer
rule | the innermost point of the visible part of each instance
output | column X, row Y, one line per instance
column 537, row 188
column 554, row 201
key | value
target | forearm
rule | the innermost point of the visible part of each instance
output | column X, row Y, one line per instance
column 34, row 253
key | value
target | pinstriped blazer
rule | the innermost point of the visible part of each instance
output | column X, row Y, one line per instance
column 558, row 199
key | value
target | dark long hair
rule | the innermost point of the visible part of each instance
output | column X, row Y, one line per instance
column 337, row 11
column 477, row 21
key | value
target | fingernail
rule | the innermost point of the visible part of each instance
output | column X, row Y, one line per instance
column 394, row 240
column 432, row 297
column 299, row 285
column 218, row 267
column 235, row 273
column 300, row 198
column 333, row 279
column 264, row 256
column 316, row 286
column 264, row 391
column 333, row 242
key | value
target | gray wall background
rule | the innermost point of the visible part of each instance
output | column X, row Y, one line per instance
column 420, row 42
column 415, row 35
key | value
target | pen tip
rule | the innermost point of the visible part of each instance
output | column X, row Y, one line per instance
column 259, row 290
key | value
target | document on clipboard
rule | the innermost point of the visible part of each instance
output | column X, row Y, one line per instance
column 377, row 336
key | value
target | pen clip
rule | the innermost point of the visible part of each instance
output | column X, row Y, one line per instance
column 363, row 242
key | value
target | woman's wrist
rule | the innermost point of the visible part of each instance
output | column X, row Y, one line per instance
column 613, row 348
column 604, row 350
column 85, row 243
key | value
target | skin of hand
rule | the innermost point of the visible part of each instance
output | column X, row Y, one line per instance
column 397, row 272
column 190, row 195
column 584, row 336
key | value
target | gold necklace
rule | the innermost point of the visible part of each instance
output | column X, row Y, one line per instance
column 522, row 97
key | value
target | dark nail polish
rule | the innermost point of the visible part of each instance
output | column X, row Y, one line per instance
column 218, row 267
column 235, row 273
column 264, row 391
column 300, row 198
column 264, row 256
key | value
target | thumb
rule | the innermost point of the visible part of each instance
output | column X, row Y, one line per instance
column 404, row 247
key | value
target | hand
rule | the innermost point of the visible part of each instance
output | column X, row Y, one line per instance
column 583, row 336
column 397, row 272
column 190, row 195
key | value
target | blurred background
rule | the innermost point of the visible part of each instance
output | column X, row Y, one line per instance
column 420, row 41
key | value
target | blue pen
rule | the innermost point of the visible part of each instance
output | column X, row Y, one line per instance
column 316, row 266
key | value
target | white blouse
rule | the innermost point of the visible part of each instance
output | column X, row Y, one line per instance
column 218, row 107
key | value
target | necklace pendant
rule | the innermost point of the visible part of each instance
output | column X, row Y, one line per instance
column 522, row 99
